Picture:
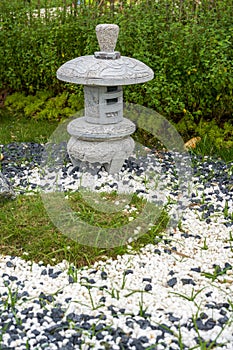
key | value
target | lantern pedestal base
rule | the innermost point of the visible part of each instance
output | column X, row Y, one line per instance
column 110, row 153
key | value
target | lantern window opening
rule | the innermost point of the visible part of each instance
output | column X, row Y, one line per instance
column 112, row 88
column 111, row 114
column 111, row 101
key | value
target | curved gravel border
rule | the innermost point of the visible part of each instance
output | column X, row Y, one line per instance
column 175, row 294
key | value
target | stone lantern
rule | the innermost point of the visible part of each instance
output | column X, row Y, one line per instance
column 102, row 135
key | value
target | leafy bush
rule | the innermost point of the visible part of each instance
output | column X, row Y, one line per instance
column 188, row 45
column 191, row 60
column 44, row 106
column 217, row 135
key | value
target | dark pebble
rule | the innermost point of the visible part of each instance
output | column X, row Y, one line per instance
column 143, row 323
column 137, row 344
column 223, row 312
column 104, row 275
column 99, row 336
column 146, row 279
column 148, row 287
column 223, row 320
column 13, row 278
column 86, row 325
column 102, row 300
column 188, row 281
column 173, row 318
column 172, row 282
column 91, row 281
column 208, row 325
column 9, row 264
column 196, row 269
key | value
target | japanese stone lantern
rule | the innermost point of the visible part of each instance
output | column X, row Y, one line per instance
column 102, row 135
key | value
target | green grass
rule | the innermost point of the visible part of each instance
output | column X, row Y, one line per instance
column 27, row 231
column 17, row 128
column 206, row 148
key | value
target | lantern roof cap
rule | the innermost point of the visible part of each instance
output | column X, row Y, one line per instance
column 106, row 67
column 88, row 70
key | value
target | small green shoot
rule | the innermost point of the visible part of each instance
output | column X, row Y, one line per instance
column 205, row 246
column 226, row 210
column 142, row 309
column 192, row 297
column 217, row 272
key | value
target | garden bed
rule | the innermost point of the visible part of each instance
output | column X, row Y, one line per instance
column 173, row 293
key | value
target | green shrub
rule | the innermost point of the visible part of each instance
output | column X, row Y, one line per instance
column 44, row 106
column 188, row 46
column 192, row 62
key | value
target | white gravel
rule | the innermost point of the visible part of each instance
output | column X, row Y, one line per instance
column 175, row 294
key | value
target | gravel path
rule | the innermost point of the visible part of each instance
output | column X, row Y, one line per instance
column 175, row 294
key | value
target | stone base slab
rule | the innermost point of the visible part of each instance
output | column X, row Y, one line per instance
column 81, row 129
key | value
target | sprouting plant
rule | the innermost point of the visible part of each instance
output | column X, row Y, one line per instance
column 156, row 182
column 89, row 287
column 226, row 210
column 2, row 332
column 145, row 180
column 10, row 303
column 73, row 273
column 231, row 236
column 27, row 345
column 94, row 331
column 179, row 225
column 231, row 305
column 203, row 198
column 217, row 272
column 11, row 300
column 170, row 201
column 205, row 246
column 142, row 309
column 207, row 344
column 192, row 297
column 114, row 293
column 91, row 298
column 230, row 240
column 123, row 280
column 179, row 338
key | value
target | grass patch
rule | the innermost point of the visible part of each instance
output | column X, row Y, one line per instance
column 206, row 148
column 17, row 128
column 27, row 231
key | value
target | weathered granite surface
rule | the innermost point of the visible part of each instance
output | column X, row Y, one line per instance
column 106, row 67
column 88, row 70
column 107, row 35
column 6, row 191
column 110, row 153
column 103, row 134
column 83, row 130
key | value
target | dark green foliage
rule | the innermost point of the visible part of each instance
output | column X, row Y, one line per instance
column 44, row 106
column 191, row 58
column 188, row 45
